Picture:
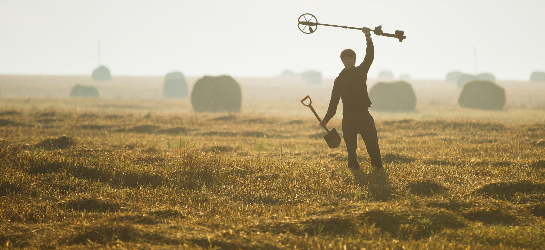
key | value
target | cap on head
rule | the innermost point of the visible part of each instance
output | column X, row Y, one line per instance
column 348, row 53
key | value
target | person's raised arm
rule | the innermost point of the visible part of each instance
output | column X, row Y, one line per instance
column 369, row 52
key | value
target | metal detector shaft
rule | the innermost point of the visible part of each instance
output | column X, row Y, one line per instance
column 377, row 32
column 308, row 24
column 330, row 25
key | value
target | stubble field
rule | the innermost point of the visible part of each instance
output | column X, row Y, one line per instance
column 138, row 171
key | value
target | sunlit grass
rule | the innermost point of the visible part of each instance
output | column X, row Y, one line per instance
column 142, row 179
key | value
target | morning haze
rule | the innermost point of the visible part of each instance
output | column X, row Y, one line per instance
column 221, row 125
column 257, row 38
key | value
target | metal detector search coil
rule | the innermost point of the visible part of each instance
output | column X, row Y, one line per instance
column 308, row 24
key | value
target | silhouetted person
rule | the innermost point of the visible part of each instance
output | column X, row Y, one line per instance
column 351, row 87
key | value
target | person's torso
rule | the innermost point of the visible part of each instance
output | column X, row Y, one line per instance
column 353, row 88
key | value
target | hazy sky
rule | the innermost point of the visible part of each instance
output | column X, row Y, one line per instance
column 261, row 38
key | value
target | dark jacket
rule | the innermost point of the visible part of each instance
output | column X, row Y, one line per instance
column 351, row 86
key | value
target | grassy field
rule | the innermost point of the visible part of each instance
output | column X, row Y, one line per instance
column 138, row 171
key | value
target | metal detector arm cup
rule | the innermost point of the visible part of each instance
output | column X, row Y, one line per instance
column 398, row 34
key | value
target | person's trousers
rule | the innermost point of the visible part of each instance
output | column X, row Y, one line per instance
column 362, row 124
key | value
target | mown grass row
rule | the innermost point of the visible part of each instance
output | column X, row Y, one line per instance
column 447, row 184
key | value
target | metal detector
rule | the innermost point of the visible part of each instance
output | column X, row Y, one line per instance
column 308, row 24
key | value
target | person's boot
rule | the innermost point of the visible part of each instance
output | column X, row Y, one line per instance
column 377, row 165
column 353, row 164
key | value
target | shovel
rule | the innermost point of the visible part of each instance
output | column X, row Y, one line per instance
column 332, row 137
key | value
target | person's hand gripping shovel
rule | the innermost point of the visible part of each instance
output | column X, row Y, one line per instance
column 332, row 137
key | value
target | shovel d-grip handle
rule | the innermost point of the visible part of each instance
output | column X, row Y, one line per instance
column 309, row 105
column 309, row 101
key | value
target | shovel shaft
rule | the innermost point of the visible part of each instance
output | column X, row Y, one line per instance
column 315, row 114
column 309, row 105
column 317, row 117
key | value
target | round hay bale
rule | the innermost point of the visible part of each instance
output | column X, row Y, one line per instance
column 288, row 73
column 312, row 77
column 175, row 86
column 453, row 76
column 482, row 95
column 101, row 74
column 393, row 97
column 385, row 75
column 216, row 94
column 175, row 76
column 486, row 77
column 83, row 91
column 537, row 76
column 465, row 78
column 405, row 77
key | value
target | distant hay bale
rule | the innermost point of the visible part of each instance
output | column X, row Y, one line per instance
column 83, row 91
column 101, row 74
column 393, row 96
column 482, row 95
column 385, row 75
column 312, row 77
column 453, row 76
column 216, row 94
column 537, row 76
column 486, row 77
column 175, row 86
column 288, row 73
column 465, row 78
column 177, row 75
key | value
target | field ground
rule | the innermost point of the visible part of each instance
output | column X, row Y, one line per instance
column 132, row 170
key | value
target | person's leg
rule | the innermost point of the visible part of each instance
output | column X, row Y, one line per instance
column 350, row 135
column 368, row 133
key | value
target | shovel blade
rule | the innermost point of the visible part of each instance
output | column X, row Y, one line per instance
column 332, row 139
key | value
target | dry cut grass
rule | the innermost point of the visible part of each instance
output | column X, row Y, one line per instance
column 89, row 179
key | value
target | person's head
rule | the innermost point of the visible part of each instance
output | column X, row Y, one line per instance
column 348, row 57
